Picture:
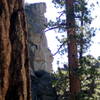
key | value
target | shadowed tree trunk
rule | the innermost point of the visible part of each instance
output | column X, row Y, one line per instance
column 14, row 69
column 72, row 50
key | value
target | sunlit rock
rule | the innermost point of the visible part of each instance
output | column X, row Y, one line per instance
column 39, row 54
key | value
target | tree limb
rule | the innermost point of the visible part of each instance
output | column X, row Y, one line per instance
column 55, row 27
column 60, row 47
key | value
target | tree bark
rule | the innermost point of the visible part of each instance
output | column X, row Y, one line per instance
column 72, row 50
column 14, row 69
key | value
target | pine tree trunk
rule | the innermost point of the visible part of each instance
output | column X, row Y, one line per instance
column 14, row 69
column 72, row 50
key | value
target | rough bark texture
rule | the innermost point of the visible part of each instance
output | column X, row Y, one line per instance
column 72, row 51
column 14, row 72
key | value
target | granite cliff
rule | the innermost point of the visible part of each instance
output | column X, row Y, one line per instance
column 39, row 54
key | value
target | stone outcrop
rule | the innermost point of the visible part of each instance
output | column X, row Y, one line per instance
column 42, row 84
column 40, row 56
column 14, row 69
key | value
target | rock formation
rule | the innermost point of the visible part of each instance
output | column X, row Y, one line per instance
column 42, row 84
column 14, row 70
column 40, row 56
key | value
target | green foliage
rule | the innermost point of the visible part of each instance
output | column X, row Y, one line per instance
column 89, row 67
column 61, row 84
column 83, row 21
column 59, row 3
column 90, row 78
column 89, row 73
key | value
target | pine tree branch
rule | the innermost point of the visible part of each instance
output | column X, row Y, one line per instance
column 55, row 27
column 51, row 28
column 62, row 13
column 60, row 47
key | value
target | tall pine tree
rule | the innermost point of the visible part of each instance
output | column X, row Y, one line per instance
column 75, row 18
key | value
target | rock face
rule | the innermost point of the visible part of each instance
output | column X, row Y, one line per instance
column 14, row 69
column 40, row 56
column 42, row 84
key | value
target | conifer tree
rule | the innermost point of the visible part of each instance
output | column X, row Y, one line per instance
column 72, row 50
column 76, row 23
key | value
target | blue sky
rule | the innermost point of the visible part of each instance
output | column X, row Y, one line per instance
column 52, row 42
